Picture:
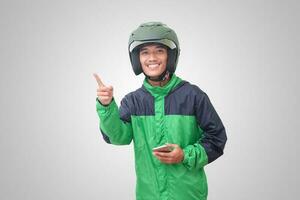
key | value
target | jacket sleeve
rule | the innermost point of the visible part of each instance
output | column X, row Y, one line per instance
column 211, row 144
column 115, row 124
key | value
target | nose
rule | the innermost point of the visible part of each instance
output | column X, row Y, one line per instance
column 152, row 56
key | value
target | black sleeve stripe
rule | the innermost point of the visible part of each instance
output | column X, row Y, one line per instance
column 105, row 137
column 214, row 136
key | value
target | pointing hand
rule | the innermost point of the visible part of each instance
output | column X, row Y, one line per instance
column 104, row 93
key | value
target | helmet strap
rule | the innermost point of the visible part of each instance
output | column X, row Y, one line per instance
column 159, row 78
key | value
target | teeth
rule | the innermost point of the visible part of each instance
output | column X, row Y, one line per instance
column 153, row 66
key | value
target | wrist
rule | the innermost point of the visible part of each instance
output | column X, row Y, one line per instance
column 104, row 104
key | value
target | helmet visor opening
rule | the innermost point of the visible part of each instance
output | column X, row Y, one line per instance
column 166, row 42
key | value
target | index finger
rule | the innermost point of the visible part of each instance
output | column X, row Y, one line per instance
column 100, row 83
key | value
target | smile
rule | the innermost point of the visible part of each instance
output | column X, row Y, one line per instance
column 152, row 66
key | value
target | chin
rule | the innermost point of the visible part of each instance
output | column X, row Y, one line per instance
column 153, row 74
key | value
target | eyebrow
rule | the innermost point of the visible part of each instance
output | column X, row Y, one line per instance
column 156, row 46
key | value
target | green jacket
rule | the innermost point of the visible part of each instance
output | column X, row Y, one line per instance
column 178, row 113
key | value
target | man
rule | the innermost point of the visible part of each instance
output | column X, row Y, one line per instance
column 165, row 110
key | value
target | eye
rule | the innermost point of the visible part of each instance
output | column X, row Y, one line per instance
column 160, row 50
column 143, row 52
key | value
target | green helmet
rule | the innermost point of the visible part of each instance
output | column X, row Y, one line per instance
column 153, row 32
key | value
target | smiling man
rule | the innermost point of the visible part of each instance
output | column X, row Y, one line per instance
column 153, row 58
column 168, row 111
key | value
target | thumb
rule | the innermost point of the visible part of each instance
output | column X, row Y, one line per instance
column 110, row 88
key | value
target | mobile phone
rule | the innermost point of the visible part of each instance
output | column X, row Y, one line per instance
column 163, row 148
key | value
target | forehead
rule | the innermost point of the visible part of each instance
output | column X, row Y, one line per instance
column 152, row 46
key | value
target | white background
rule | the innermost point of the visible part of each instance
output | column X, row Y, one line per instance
column 243, row 54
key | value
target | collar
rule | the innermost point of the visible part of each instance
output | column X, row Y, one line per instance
column 162, row 91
